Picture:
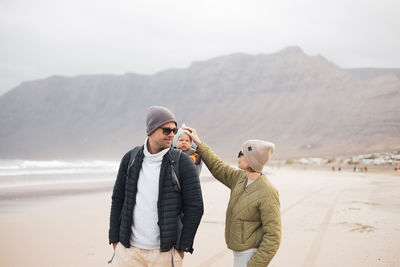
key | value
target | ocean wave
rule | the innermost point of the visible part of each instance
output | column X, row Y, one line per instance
column 20, row 167
column 55, row 182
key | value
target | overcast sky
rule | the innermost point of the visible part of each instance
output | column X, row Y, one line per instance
column 41, row 38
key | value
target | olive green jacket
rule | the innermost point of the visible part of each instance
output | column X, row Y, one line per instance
column 253, row 217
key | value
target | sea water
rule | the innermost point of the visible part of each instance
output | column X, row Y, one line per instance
column 22, row 173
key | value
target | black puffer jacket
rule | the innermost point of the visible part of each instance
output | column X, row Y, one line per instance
column 170, row 202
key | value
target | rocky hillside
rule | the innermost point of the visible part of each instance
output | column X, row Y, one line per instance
column 305, row 104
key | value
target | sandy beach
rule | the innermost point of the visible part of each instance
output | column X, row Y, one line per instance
column 329, row 219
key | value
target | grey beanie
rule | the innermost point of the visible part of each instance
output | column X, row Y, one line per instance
column 156, row 117
column 257, row 153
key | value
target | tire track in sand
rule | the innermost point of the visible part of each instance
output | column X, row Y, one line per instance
column 225, row 251
column 310, row 195
column 315, row 248
column 214, row 258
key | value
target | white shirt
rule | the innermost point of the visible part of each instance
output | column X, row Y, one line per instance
column 249, row 181
column 145, row 230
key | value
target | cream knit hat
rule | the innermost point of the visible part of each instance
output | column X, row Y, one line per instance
column 257, row 153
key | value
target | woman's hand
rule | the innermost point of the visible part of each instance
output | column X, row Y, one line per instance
column 193, row 135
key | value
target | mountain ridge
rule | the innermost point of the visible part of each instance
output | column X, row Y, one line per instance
column 305, row 104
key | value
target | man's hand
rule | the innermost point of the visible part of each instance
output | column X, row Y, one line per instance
column 115, row 244
column 181, row 253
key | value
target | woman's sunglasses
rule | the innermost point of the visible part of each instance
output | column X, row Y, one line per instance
column 240, row 154
column 167, row 131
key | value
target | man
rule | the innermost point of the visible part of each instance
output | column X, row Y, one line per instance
column 147, row 203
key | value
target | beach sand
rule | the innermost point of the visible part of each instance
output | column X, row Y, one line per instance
column 328, row 219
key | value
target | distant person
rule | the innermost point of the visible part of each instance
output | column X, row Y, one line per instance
column 146, row 226
column 183, row 141
column 339, row 168
column 253, row 220
column 333, row 168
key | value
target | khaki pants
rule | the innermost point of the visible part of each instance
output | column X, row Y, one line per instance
column 137, row 257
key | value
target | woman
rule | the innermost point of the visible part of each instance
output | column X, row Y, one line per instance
column 253, row 221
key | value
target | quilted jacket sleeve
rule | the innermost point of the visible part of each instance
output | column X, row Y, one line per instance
column 192, row 201
column 118, row 200
column 271, row 225
column 221, row 171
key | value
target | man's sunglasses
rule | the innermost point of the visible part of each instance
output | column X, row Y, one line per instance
column 240, row 154
column 167, row 131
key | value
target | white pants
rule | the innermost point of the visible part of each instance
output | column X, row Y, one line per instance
column 241, row 258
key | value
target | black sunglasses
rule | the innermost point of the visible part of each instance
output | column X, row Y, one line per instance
column 240, row 154
column 167, row 131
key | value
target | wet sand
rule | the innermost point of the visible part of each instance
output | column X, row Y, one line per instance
column 329, row 219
